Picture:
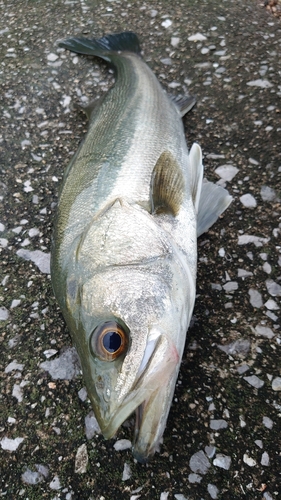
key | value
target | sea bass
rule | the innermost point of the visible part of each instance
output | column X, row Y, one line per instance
column 124, row 248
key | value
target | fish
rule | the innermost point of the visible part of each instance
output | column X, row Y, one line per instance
column 124, row 252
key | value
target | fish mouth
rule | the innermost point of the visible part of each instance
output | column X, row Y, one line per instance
column 150, row 398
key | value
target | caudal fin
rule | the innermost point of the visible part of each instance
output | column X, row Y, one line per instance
column 102, row 47
column 213, row 202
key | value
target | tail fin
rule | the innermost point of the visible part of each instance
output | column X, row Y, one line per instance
column 127, row 41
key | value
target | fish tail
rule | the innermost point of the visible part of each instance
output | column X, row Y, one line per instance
column 102, row 47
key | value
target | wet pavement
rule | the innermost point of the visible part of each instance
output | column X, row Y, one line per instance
column 222, row 439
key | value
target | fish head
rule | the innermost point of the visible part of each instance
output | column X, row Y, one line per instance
column 133, row 317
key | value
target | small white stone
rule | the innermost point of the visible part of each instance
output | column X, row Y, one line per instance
column 267, row 422
column 126, row 472
column 55, row 483
column 244, row 239
column 264, row 331
column 273, row 288
column 264, row 84
column 81, row 460
column 267, row 268
column 164, row 495
column 265, row 459
column 175, row 41
column 194, row 478
column 198, row 37
column 276, row 384
column 254, row 381
column 222, row 461
column 216, row 425
column 15, row 303
column 213, row 491
column 230, row 286
column 248, row 460
column 272, row 305
column 14, row 365
column 3, row 242
column 17, row 393
column 49, row 353
column 259, row 443
column 10, row 444
column 242, row 273
column 248, row 200
column 167, row 23
column 255, row 298
column 4, row 314
column 122, row 444
column 227, row 172
column 52, row 57
column 267, row 193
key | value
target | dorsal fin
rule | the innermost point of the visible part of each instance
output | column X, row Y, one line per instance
column 167, row 185
column 183, row 103
column 196, row 173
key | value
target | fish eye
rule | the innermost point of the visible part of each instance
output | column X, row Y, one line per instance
column 108, row 341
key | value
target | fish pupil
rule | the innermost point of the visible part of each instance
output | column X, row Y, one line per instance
column 111, row 341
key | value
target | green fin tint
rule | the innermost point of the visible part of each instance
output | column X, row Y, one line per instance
column 101, row 47
column 167, row 185
column 213, row 201
column 184, row 103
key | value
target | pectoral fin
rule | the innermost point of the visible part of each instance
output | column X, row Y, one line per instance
column 213, row 201
column 167, row 185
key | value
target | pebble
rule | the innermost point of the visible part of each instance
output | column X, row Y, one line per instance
column 213, row 491
column 167, row 23
column 248, row 460
column 240, row 346
column 264, row 331
column 175, row 41
column 15, row 303
column 210, row 451
column 65, row 367
column 254, row 381
column 40, row 259
column 4, row 314
column 82, row 394
column 198, row 37
column 255, row 298
column 248, row 200
column 273, row 288
column 35, row 477
column 164, row 495
column 267, row 422
column 244, row 239
column 265, row 459
column 218, row 424
column 242, row 273
column 14, row 365
column 230, row 286
column 276, row 384
column 17, row 393
column 194, row 478
column 222, row 461
column 199, row 463
column 179, row 496
column 122, row 444
column 267, row 193
column 126, row 472
column 227, row 172
column 259, row 443
column 10, row 444
column 55, row 483
column 91, row 425
column 264, row 84
column 81, row 460
column 52, row 57
column 267, row 268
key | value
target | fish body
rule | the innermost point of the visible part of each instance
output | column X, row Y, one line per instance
column 124, row 248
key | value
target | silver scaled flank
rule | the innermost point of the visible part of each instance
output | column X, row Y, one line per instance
column 124, row 252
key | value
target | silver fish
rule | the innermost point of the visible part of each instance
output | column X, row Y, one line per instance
column 124, row 249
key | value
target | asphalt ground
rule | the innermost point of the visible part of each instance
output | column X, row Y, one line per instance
column 223, row 434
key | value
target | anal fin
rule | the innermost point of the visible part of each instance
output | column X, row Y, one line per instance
column 213, row 202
